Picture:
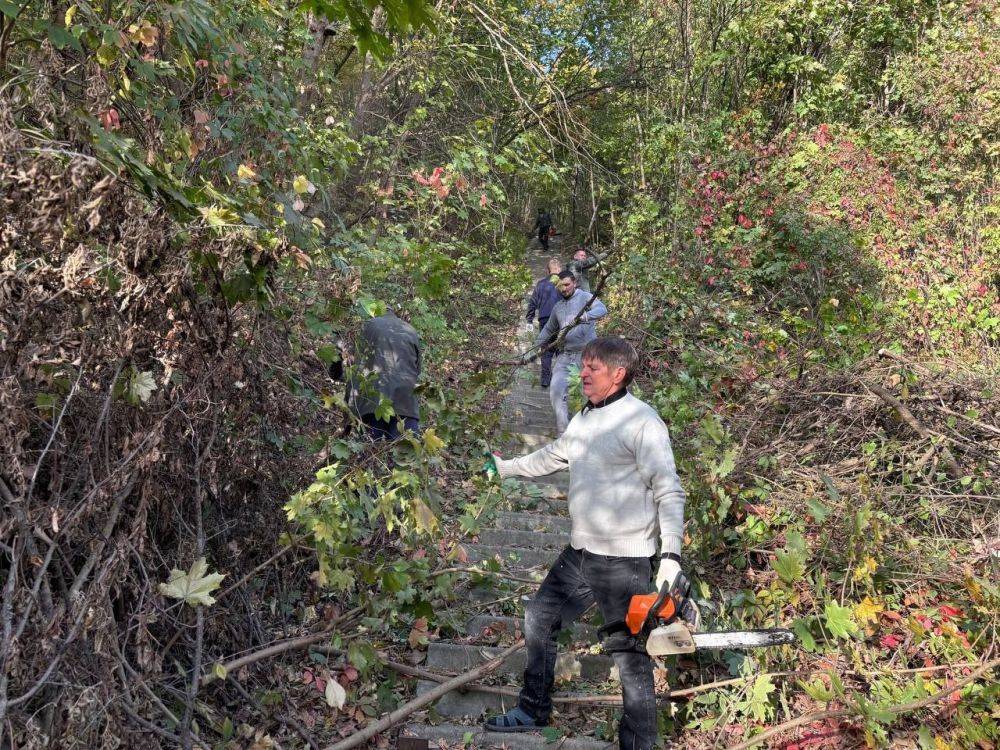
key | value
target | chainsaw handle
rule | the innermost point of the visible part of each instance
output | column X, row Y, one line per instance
column 660, row 600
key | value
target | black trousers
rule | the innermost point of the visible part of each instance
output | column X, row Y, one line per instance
column 576, row 580
column 388, row 429
column 543, row 238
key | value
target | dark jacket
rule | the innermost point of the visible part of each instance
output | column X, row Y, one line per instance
column 580, row 267
column 543, row 298
column 389, row 354
column 543, row 222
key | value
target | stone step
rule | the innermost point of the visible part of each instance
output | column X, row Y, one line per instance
column 533, row 522
column 515, row 539
column 513, row 559
column 560, row 480
column 529, row 441
column 443, row 656
column 476, row 738
column 580, row 631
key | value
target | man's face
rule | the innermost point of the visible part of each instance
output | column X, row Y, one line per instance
column 567, row 286
column 580, row 255
column 600, row 381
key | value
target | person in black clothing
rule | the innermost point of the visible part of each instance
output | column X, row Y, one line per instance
column 387, row 367
column 543, row 297
column 543, row 224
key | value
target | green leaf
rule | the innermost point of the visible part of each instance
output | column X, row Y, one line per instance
column 9, row 9
column 804, row 633
column 831, row 490
column 469, row 524
column 61, row 38
column 789, row 565
column 194, row 587
column 140, row 387
column 106, row 54
column 361, row 655
column 839, row 620
column 551, row 734
column 818, row 691
column 925, row 739
column 817, row 510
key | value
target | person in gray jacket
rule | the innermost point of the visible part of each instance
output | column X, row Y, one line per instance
column 564, row 315
column 389, row 354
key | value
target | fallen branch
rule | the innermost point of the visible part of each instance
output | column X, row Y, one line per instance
column 844, row 712
column 281, row 647
column 359, row 738
column 583, row 699
column 954, row 470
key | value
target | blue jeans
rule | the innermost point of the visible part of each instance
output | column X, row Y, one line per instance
column 576, row 580
column 559, row 387
column 546, row 358
column 388, row 429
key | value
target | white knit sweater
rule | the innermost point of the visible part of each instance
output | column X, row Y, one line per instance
column 624, row 491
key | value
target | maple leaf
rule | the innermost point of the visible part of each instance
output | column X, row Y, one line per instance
column 140, row 387
column 838, row 620
column 867, row 612
column 432, row 443
column 194, row 587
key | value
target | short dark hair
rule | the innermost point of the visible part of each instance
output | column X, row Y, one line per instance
column 567, row 274
column 613, row 351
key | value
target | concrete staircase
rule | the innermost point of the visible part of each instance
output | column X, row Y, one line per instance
column 526, row 541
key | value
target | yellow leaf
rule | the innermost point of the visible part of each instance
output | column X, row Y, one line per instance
column 302, row 185
column 432, row 443
column 146, row 34
column 425, row 519
column 195, row 586
column 868, row 611
column 70, row 13
column 863, row 572
column 219, row 216
column 245, row 173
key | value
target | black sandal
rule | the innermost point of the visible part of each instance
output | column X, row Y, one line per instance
column 515, row 720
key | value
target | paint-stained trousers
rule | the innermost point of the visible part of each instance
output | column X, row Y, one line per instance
column 559, row 387
column 576, row 580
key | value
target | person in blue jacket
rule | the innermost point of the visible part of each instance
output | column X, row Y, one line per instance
column 543, row 298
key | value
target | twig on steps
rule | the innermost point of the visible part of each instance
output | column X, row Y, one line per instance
column 359, row 738
column 900, row 709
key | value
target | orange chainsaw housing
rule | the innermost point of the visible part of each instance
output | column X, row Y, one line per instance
column 638, row 610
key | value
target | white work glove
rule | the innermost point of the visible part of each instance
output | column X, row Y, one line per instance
column 667, row 573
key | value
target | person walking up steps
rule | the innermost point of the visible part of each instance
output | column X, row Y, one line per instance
column 564, row 312
column 624, row 498
column 543, row 299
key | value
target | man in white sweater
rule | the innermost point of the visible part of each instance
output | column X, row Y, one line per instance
column 626, row 505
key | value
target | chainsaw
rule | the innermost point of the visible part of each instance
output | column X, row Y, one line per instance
column 666, row 623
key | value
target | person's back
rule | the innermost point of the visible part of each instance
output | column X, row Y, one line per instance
column 390, row 349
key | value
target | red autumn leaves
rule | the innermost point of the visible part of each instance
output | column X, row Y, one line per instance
column 442, row 182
